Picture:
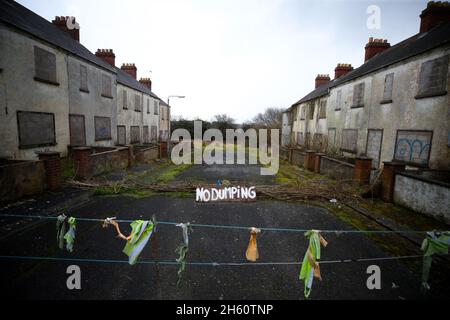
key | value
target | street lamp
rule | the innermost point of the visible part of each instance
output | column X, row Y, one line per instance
column 179, row 97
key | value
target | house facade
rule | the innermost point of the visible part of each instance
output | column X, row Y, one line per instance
column 55, row 94
column 395, row 107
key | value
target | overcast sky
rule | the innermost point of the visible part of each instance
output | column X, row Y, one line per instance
column 233, row 56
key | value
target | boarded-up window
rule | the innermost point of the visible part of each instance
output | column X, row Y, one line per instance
column 148, row 105
column 135, row 135
column 323, row 109
column 121, row 135
column 388, row 85
column 146, row 134
column 433, row 77
column 332, row 137
column 125, row 99
column 77, row 130
column 137, row 102
column 413, row 147
column 154, row 133
column 83, row 79
column 307, row 142
column 349, row 140
column 338, row 100
column 106, row 86
column 44, row 65
column 36, row 129
column 311, row 111
column 302, row 112
column 156, row 107
column 358, row 95
column 102, row 128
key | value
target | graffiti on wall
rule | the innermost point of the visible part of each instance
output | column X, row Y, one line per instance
column 413, row 147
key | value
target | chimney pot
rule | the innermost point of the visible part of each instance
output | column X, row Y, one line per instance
column 107, row 55
column 434, row 14
column 62, row 24
column 375, row 46
column 322, row 79
column 130, row 68
column 342, row 69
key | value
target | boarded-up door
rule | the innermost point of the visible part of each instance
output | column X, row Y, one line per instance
column 121, row 135
column 146, row 134
column 373, row 148
column 77, row 130
column 154, row 133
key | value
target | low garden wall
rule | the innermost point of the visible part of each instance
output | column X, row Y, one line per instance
column 336, row 169
column 298, row 157
column 105, row 161
column 21, row 178
column 427, row 192
column 146, row 154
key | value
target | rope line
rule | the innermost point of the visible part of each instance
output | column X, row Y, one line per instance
column 206, row 264
column 225, row 226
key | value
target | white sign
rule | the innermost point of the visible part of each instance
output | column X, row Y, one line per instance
column 226, row 194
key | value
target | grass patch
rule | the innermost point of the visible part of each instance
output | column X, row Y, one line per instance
column 171, row 173
column 67, row 168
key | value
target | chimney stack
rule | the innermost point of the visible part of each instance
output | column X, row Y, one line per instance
column 146, row 82
column 69, row 25
column 322, row 79
column 375, row 46
column 342, row 69
column 435, row 13
column 130, row 68
column 107, row 55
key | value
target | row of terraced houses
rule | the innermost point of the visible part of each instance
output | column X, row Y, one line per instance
column 56, row 95
column 393, row 111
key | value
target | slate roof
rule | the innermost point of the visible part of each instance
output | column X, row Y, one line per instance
column 415, row 45
column 16, row 15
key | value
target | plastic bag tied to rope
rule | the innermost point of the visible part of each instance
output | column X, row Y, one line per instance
column 252, row 253
column 434, row 243
column 310, row 266
column 137, row 240
column 182, row 250
column 65, row 237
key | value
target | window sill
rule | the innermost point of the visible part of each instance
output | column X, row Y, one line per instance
column 137, row 110
column 125, row 108
column 357, row 107
column 430, row 95
column 38, row 146
column 84, row 90
column 104, row 139
column 107, row 97
column 386, row 101
column 46, row 81
column 337, row 109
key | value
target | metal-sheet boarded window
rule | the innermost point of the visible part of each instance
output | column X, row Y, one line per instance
column 154, row 133
column 156, row 107
column 323, row 109
column 349, row 140
column 106, row 86
column 36, row 129
column 77, row 130
column 137, row 102
column 302, row 112
column 135, row 135
column 125, row 99
column 338, row 100
column 318, row 141
column 332, row 137
column 373, row 147
column 388, row 85
column 83, row 79
column 146, row 134
column 44, row 65
column 413, row 147
column 121, row 135
column 433, row 78
column 358, row 95
column 102, row 128
column 311, row 111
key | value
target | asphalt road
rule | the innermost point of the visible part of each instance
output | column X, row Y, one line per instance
column 41, row 279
